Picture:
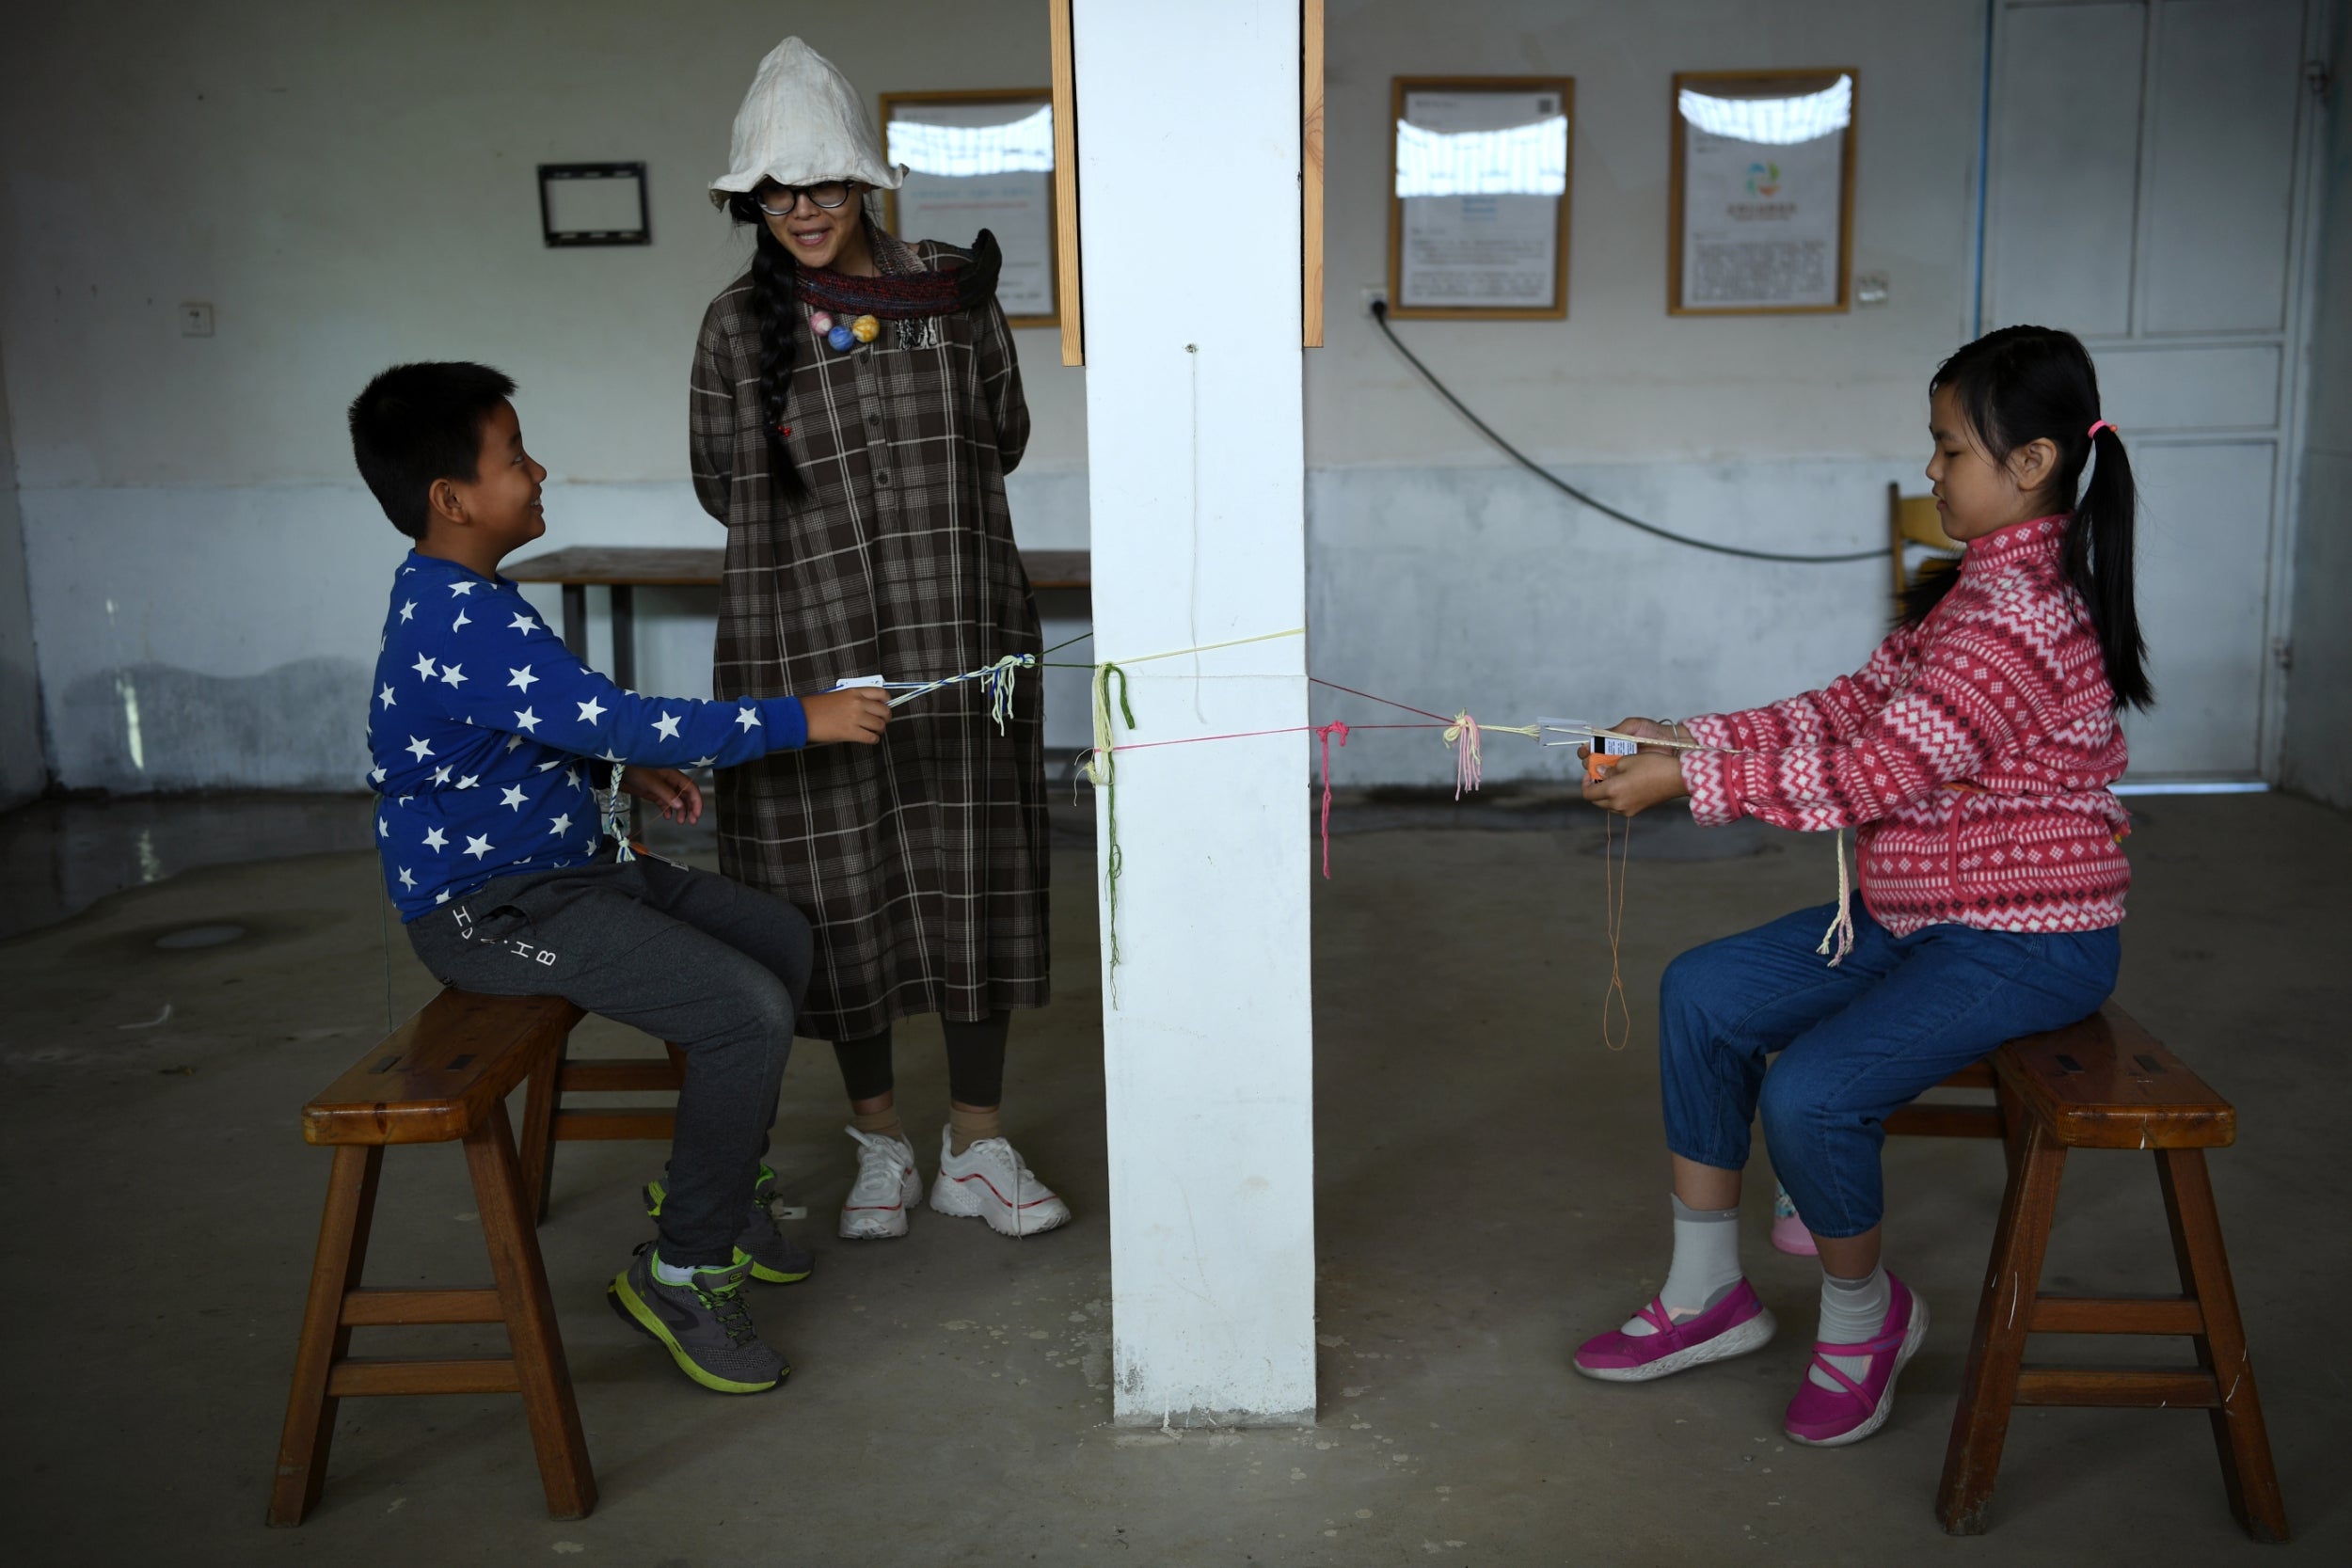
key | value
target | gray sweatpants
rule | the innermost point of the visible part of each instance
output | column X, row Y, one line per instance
column 711, row 966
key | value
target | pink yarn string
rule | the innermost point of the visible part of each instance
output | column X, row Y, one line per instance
column 1325, row 732
column 1469, row 765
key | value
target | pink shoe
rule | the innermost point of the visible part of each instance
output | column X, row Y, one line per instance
column 1788, row 1232
column 1830, row 1418
column 1733, row 1326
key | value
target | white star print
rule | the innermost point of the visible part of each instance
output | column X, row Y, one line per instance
column 377, row 775
column 461, row 588
column 470, row 780
column 527, row 719
column 551, row 761
column 385, row 696
column 522, row 623
column 406, row 880
column 563, row 824
column 703, row 762
column 749, row 719
column 571, row 776
column 420, row 749
column 381, row 831
column 514, row 743
column 462, row 622
column 408, row 610
column 477, row 846
column 441, row 898
column 609, row 755
column 423, row 665
column 522, row 677
column 514, row 797
column 591, row 710
column 436, row 839
column 441, row 774
column 455, row 676
column 665, row 727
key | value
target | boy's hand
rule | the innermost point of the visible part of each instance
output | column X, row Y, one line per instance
column 677, row 795
column 1638, row 783
column 857, row 714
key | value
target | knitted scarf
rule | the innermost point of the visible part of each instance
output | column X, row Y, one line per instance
column 905, row 295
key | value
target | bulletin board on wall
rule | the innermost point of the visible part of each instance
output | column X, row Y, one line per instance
column 977, row 160
column 1761, row 193
column 1478, row 196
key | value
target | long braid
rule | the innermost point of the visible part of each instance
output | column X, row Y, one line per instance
column 775, row 306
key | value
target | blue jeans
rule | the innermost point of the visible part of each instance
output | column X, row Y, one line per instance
column 1855, row 1043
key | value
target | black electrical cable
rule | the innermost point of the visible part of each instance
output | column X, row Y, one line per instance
column 1380, row 314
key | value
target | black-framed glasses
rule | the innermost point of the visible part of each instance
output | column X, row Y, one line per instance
column 777, row 201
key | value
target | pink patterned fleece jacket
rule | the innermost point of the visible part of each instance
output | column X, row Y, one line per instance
column 1974, row 753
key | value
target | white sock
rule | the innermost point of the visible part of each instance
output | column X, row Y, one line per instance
column 1852, row 1312
column 1706, row 1265
column 669, row 1276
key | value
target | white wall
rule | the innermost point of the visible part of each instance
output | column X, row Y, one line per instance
column 22, row 767
column 2318, row 756
column 350, row 186
column 1445, row 578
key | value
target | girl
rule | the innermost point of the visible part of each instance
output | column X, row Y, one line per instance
column 855, row 407
column 1974, row 754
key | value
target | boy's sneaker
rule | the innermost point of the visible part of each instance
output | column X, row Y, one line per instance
column 1733, row 1326
column 1788, row 1232
column 988, row 1181
column 703, row 1323
column 886, row 1187
column 1830, row 1418
column 775, row 1258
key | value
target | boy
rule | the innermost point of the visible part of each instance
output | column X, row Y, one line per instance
column 486, row 733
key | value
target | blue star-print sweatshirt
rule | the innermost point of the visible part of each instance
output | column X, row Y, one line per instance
column 486, row 732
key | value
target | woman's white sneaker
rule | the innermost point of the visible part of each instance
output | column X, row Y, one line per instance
column 887, row 1186
column 988, row 1181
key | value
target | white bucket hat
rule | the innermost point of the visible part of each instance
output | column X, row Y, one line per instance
column 803, row 122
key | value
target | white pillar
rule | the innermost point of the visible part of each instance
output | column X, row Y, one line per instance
column 1188, row 143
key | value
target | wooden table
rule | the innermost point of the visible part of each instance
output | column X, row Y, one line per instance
column 624, row 568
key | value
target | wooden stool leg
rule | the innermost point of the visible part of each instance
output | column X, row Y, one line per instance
column 2238, row 1430
column 540, row 1096
column 1988, row 1385
column 335, row 1270
column 522, row 1280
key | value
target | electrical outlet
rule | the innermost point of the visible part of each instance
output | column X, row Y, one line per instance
column 1372, row 293
column 1869, row 288
column 196, row 318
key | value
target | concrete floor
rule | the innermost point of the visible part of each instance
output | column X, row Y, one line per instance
column 1490, row 1192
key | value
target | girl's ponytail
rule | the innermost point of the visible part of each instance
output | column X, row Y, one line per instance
column 2023, row 384
column 775, row 300
column 2099, row 564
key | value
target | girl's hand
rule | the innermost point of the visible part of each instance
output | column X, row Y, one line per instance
column 856, row 713
column 677, row 795
column 1638, row 783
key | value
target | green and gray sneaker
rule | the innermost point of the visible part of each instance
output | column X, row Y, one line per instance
column 703, row 1323
column 775, row 1258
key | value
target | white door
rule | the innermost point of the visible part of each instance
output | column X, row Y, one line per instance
column 2147, row 188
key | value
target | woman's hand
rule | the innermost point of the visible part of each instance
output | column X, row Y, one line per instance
column 1637, row 783
column 677, row 795
column 857, row 714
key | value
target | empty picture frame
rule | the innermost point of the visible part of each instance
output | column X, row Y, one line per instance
column 981, row 160
column 1478, row 196
column 582, row 204
column 1760, row 199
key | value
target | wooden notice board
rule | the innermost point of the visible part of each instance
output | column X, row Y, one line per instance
column 1479, row 174
column 1760, row 198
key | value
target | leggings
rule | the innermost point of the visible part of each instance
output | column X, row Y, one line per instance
column 976, row 1062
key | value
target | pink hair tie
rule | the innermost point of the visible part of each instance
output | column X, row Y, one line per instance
column 2098, row 427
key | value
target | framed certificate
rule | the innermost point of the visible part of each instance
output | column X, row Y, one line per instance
column 974, row 161
column 1761, row 194
column 1478, row 196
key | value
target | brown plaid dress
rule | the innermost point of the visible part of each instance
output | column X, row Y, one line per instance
column 921, row 861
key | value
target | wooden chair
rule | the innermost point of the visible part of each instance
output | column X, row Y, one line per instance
column 547, row 1121
column 1913, row 520
column 442, row 1076
column 2107, row 1084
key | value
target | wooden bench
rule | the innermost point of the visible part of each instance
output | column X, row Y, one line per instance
column 2104, row 1084
column 547, row 1121
column 441, row 1077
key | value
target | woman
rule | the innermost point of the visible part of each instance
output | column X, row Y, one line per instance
column 855, row 407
